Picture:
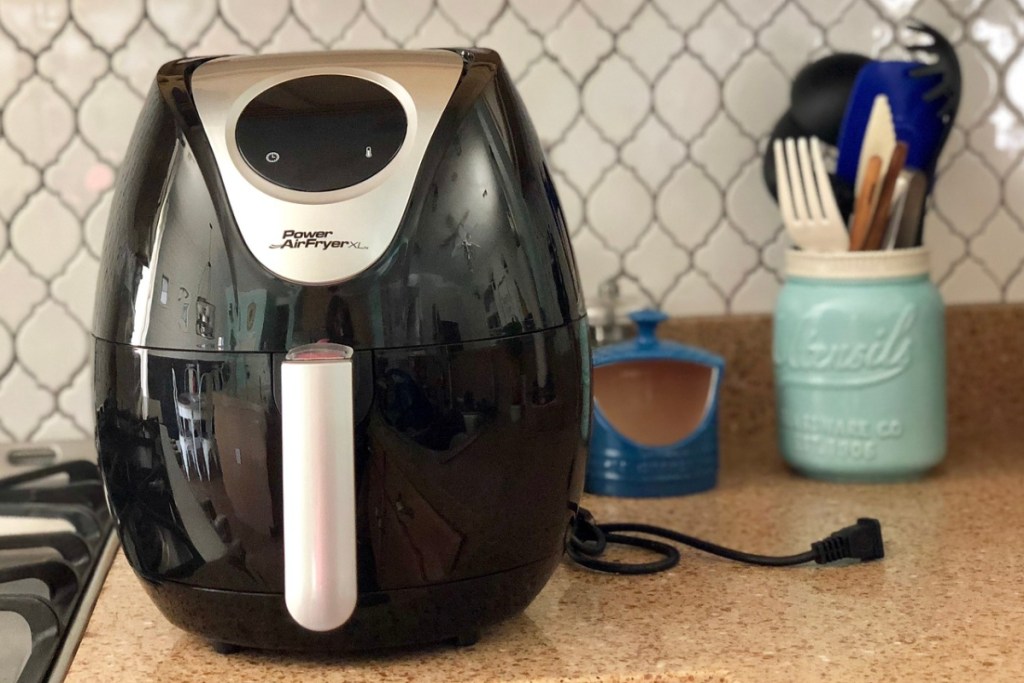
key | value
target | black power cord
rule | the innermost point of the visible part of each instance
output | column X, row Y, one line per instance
column 589, row 540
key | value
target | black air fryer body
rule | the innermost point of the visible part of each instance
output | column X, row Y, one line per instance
column 457, row 292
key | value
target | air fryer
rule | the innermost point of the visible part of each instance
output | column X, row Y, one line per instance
column 341, row 372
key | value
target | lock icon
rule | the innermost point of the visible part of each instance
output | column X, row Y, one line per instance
column 369, row 152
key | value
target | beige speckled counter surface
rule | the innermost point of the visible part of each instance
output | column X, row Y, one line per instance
column 947, row 603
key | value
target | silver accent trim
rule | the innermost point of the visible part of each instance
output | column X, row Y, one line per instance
column 76, row 629
column 368, row 213
column 319, row 502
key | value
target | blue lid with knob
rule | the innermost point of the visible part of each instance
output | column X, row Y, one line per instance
column 655, row 430
column 647, row 345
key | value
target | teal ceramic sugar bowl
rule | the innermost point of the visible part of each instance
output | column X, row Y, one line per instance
column 860, row 367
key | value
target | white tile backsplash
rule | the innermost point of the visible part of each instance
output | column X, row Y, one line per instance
column 38, row 122
column 51, row 345
column 182, row 21
column 653, row 113
column 616, row 98
column 579, row 42
column 967, row 176
column 999, row 246
column 26, row 403
column 658, row 260
column 619, row 209
column 45, row 235
column 720, row 40
column 34, row 22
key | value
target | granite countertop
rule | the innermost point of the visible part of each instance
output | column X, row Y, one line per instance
column 947, row 602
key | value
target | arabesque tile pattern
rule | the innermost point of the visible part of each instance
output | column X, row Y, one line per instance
column 653, row 113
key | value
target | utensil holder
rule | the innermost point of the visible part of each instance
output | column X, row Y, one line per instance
column 860, row 369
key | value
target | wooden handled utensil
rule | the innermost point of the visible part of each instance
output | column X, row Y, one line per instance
column 862, row 213
column 880, row 220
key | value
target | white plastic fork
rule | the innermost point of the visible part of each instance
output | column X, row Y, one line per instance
column 808, row 206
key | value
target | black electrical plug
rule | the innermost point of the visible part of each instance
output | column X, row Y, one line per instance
column 862, row 541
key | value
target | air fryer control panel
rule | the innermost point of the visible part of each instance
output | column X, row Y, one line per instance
column 319, row 152
column 321, row 133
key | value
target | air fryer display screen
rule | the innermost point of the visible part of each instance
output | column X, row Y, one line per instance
column 321, row 133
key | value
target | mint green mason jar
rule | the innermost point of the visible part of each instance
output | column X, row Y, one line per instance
column 860, row 365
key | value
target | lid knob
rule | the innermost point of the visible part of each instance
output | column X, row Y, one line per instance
column 647, row 321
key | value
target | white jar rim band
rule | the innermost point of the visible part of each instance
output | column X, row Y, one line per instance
column 857, row 265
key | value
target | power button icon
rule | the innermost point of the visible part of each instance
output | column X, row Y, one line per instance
column 273, row 157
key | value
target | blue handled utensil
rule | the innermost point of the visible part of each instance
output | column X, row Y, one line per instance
column 924, row 96
column 915, row 119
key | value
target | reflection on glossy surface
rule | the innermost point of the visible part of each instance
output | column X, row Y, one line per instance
column 1008, row 131
column 196, row 449
column 443, row 436
column 483, row 251
column 412, row 616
